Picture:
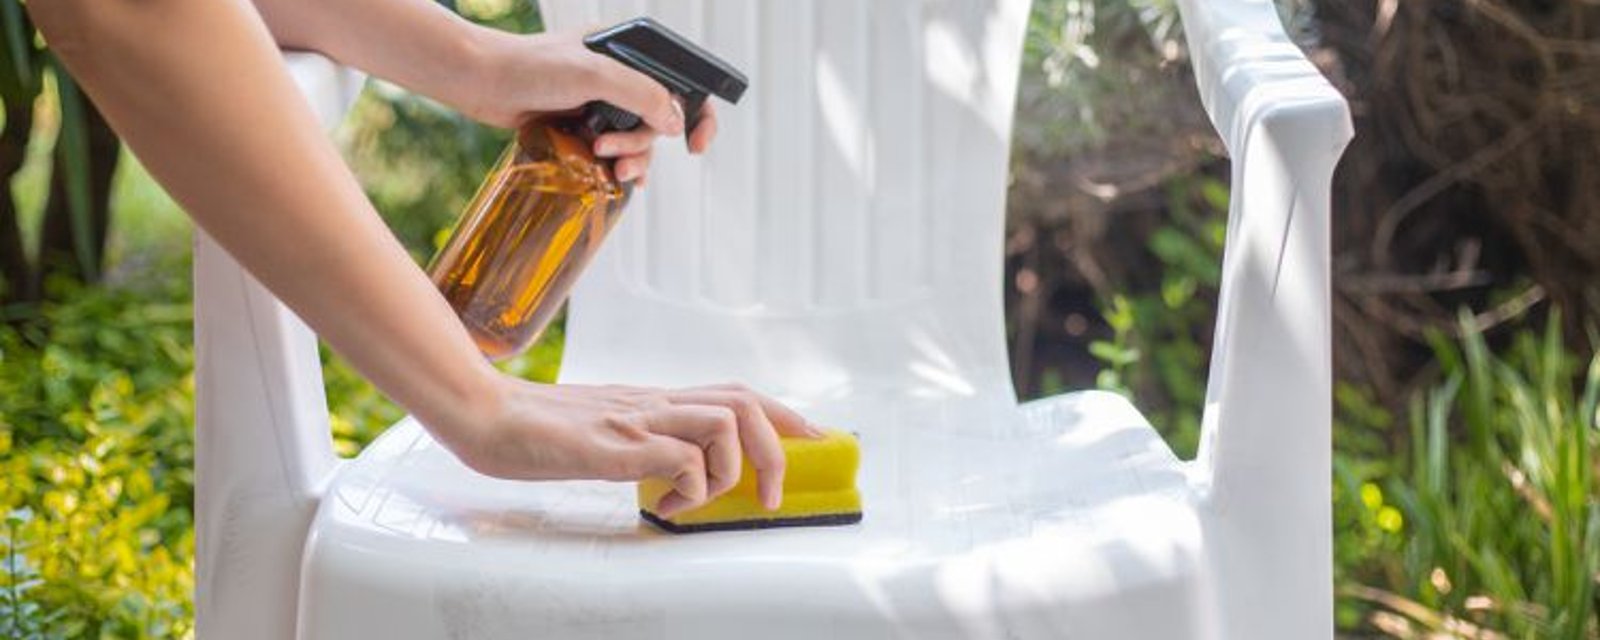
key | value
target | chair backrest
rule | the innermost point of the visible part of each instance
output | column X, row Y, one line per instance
column 262, row 446
column 844, row 235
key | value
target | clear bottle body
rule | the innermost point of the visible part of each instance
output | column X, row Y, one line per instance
column 533, row 226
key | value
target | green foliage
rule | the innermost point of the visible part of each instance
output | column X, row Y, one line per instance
column 1477, row 512
column 1366, row 521
column 72, row 144
column 1160, row 337
column 98, row 399
column 83, row 153
column 21, row 615
column 1497, row 495
column 104, row 552
column 1082, row 57
column 96, row 457
column 419, row 161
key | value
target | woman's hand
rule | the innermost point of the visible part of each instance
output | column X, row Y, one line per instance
column 498, row 78
column 518, row 77
column 691, row 437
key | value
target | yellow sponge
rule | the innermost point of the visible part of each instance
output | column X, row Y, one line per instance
column 819, row 488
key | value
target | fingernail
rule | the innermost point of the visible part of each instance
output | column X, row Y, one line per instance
column 605, row 149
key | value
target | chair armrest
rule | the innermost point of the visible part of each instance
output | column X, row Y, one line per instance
column 263, row 451
column 1264, row 466
column 1246, row 65
column 1270, row 386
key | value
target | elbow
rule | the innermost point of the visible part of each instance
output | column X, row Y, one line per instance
column 289, row 26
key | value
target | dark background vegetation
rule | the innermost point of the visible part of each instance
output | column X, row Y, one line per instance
column 1467, row 236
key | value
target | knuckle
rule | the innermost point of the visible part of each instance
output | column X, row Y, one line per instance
column 725, row 420
column 660, row 99
column 748, row 405
column 692, row 460
column 590, row 68
column 627, row 425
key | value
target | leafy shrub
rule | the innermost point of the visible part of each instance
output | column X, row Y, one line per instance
column 1160, row 342
column 96, row 457
column 96, row 474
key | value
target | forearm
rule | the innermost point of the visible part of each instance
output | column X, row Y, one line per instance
column 417, row 44
column 492, row 76
column 198, row 91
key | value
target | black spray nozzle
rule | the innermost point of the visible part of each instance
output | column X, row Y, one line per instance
column 688, row 71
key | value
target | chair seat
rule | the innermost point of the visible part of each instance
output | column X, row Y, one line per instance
column 1063, row 516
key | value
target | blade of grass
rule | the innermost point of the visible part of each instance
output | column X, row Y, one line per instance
column 1589, row 408
column 19, row 42
column 1434, row 620
column 73, row 146
column 1554, row 374
column 1479, row 383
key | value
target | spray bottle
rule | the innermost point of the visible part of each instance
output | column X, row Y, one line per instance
column 544, row 209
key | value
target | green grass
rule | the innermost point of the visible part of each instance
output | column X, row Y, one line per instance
column 1492, row 503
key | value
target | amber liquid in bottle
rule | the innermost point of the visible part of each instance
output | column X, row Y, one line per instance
column 533, row 226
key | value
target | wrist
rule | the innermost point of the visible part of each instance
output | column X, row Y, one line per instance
column 484, row 55
column 468, row 405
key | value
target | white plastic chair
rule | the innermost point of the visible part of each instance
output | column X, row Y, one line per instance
column 840, row 248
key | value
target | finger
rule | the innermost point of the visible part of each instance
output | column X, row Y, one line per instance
column 624, row 143
column 682, row 464
column 715, row 430
column 636, row 92
column 673, row 504
column 700, row 139
column 630, row 168
column 787, row 421
column 757, row 436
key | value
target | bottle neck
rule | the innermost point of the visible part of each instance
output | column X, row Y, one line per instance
column 566, row 138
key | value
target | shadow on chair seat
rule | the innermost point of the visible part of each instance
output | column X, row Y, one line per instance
column 1080, row 520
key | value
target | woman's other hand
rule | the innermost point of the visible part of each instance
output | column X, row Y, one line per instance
column 519, row 77
column 694, row 438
